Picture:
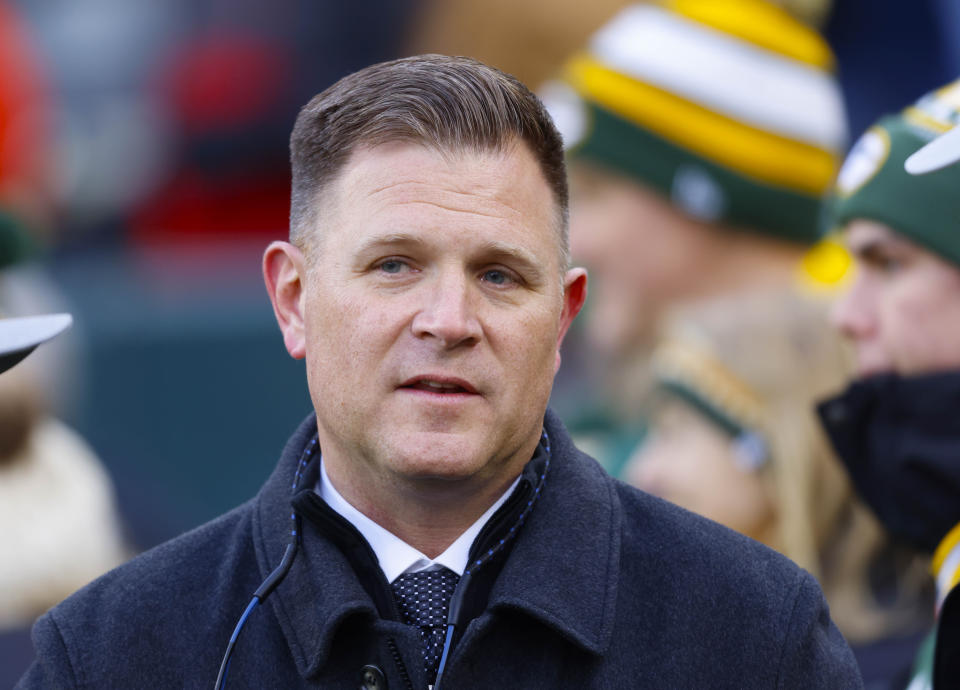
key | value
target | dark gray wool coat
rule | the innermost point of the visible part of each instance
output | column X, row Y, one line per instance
column 604, row 587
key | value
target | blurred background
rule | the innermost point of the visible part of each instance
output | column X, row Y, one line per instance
column 143, row 169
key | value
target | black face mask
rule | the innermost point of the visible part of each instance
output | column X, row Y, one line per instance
column 900, row 440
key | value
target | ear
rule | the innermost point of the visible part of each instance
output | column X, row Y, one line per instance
column 284, row 275
column 574, row 295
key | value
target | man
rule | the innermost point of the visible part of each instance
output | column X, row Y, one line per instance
column 427, row 287
column 687, row 183
column 896, row 427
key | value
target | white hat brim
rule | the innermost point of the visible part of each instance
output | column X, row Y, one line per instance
column 939, row 153
column 21, row 335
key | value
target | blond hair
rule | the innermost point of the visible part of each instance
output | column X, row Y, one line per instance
column 763, row 360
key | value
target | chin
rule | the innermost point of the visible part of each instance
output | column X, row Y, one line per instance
column 437, row 456
column 437, row 470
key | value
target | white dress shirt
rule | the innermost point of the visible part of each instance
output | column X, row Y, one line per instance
column 396, row 556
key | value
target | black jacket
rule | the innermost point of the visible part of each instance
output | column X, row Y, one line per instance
column 946, row 665
column 605, row 587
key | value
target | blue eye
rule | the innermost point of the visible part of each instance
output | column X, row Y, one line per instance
column 496, row 277
column 392, row 266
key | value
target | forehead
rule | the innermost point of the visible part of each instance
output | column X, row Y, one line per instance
column 588, row 178
column 490, row 173
column 409, row 183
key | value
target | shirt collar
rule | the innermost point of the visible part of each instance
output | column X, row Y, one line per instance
column 395, row 556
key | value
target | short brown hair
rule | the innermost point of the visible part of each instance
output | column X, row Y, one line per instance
column 451, row 103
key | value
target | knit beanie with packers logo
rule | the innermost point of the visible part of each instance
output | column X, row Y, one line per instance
column 727, row 107
column 874, row 185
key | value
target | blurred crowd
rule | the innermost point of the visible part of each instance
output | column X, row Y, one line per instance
column 144, row 166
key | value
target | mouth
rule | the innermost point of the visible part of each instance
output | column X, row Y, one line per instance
column 439, row 385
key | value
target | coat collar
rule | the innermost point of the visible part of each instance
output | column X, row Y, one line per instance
column 563, row 569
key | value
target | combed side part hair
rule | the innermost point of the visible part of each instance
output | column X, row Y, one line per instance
column 447, row 103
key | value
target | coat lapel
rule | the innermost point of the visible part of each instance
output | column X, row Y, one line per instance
column 575, row 530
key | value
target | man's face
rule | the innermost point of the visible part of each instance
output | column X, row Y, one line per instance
column 645, row 255
column 902, row 312
column 433, row 306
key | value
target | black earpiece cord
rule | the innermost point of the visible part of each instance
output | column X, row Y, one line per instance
column 456, row 602
column 263, row 591
column 274, row 578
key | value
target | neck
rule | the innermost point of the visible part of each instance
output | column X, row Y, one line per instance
column 428, row 514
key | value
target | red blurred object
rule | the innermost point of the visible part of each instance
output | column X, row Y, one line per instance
column 25, row 124
column 226, row 81
column 227, row 95
column 195, row 206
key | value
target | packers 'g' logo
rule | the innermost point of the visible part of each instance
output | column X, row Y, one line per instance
column 866, row 157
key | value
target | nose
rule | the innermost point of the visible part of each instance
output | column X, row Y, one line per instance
column 448, row 315
column 852, row 312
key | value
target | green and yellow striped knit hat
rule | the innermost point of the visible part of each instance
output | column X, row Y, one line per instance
column 873, row 184
column 727, row 107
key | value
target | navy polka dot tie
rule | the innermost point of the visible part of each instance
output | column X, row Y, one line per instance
column 424, row 599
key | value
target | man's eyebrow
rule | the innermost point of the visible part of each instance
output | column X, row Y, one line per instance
column 875, row 246
column 510, row 251
column 392, row 239
column 861, row 249
column 517, row 257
